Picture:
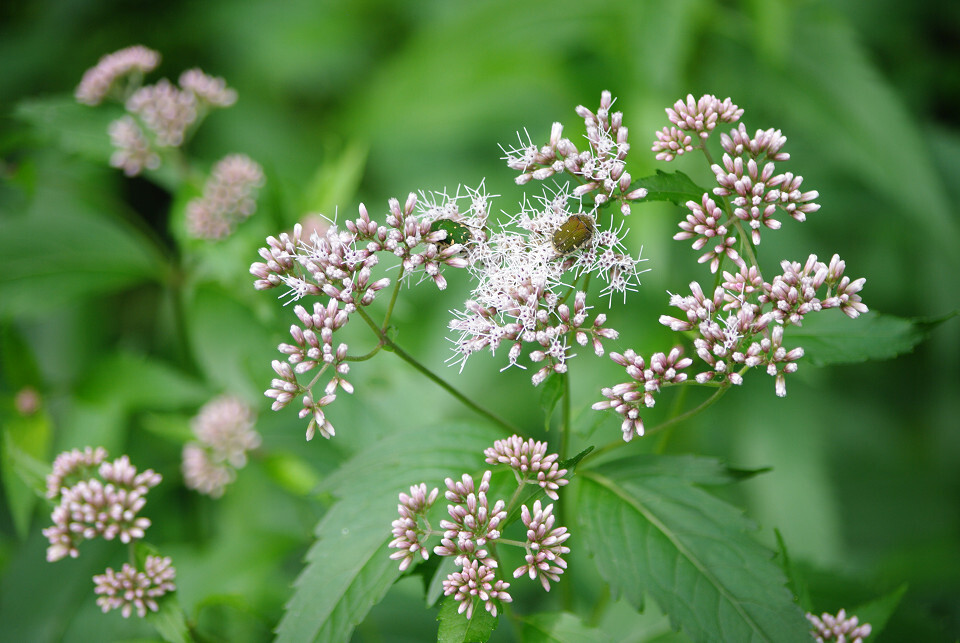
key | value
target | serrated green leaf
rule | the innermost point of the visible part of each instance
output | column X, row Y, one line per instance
column 457, row 628
column 687, row 468
column 830, row 337
column 560, row 627
column 665, row 537
column 675, row 187
column 348, row 567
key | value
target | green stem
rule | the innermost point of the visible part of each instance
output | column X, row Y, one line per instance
column 710, row 401
column 409, row 359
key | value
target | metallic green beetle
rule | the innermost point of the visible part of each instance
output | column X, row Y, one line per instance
column 575, row 233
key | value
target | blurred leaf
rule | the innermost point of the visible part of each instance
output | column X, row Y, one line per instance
column 879, row 611
column 137, row 382
column 457, row 628
column 71, row 126
column 79, row 256
column 690, row 551
column 831, row 337
column 172, row 427
column 348, row 567
column 560, row 627
column 228, row 341
column 335, row 182
column 550, row 394
column 675, row 187
column 291, row 473
column 26, row 443
column 872, row 134
column 170, row 621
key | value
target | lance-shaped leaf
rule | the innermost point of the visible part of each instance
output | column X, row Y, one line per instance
column 653, row 531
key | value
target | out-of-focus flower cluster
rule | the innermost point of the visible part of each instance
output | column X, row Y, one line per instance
column 225, row 433
column 131, row 589
column 96, row 499
column 99, row 498
column 229, row 197
column 839, row 628
column 474, row 524
column 337, row 265
column 159, row 119
column 742, row 325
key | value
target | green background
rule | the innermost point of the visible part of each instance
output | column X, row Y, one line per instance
column 125, row 332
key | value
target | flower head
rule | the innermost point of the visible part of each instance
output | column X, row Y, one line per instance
column 131, row 588
column 531, row 462
column 105, row 506
column 98, row 81
column 229, row 197
column 839, row 628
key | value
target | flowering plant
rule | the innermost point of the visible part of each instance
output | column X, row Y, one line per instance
column 526, row 522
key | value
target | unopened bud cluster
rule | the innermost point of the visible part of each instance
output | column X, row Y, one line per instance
column 475, row 524
column 743, row 322
column 225, row 433
column 158, row 116
column 98, row 498
column 841, row 628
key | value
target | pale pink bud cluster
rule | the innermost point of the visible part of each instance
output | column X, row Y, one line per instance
column 165, row 110
column 746, row 174
column 544, row 545
column 132, row 152
column 73, row 466
column 704, row 226
column 280, row 261
column 692, row 118
column 531, row 462
column 209, row 89
column 225, row 433
column 98, row 81
column 229, row 197
column 131, row 589
column 476, row 580
column 742, row 325
column 645, row 381
column 757, row 193
column 793, row 294
column 411, row 530
column 158, row 116
column 474, row 523
column 841, row 628
column 338, row 264
column 106, row 506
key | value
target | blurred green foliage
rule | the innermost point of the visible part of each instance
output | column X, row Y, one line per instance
column 125, row 332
